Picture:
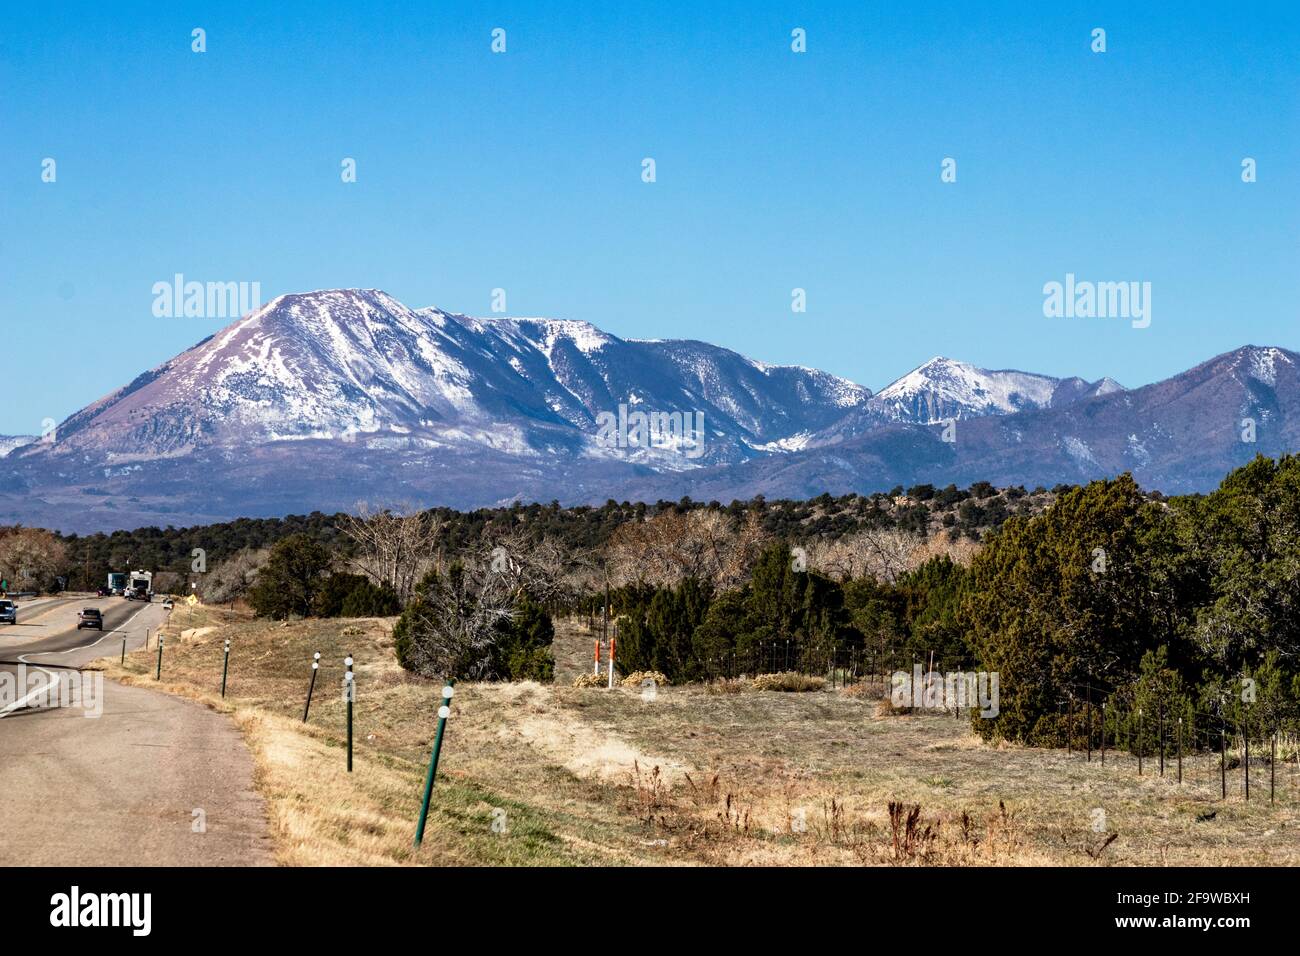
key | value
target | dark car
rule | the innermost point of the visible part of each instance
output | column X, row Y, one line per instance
column 90, row 617
column 8, row 612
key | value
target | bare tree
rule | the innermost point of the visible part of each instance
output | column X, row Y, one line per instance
column 748, row 542
column 672, row 546
column 460, row 614
column 394, row 547
column 543, row 569
column 961, row 549
column 232, row 578
column 29, row 558
column 457, row 620
column 882, row 553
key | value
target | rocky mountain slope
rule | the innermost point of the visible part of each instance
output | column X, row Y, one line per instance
column 321, row 400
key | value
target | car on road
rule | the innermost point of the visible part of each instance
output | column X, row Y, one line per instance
column 90, row 617
column 168, row 605
column 8, row 612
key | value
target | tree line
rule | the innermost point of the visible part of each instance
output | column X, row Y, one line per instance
column 84, row 561
column 1103, row 593
column 1187, row 605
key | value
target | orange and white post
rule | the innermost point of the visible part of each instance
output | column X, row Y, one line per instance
column 611, row 663
column 597, row 664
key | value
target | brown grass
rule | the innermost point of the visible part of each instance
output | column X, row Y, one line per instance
column 689, row 775
column 790, row 682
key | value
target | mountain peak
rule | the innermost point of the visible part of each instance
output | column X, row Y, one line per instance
column 944, row 388
column 1261, row 363
column 338, row 303
column 1106, row 385
column 939, row 364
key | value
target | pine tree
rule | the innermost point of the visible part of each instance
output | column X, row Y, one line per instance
column 1070, row 599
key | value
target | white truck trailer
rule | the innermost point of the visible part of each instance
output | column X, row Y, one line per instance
column 141, row 586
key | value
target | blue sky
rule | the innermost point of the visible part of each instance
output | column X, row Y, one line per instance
column 775, row 170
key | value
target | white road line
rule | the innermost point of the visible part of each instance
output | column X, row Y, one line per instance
column 53, row 678
column 86, row 647
column 44, row 688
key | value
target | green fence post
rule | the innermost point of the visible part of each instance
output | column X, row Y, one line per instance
column 349, row 692
column 315, row 666
column 225, row 668
column 443, row 713
column 158, row 674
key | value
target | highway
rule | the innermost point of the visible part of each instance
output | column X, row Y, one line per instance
column 140, row 778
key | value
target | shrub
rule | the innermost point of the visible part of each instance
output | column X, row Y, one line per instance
column 885, row 708
column 637, row 678
column 370, row 600
column 869, row 690
column 790, row 681
column 328, row 601
column 524, row 650
column 291, row 579
column 354, row 595
column 726, row 685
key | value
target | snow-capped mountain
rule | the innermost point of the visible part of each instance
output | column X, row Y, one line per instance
column 323, row 399
column 580, row 372
column 320, row 400
column 944, row 389
column 1179, row 435
column 361, row 367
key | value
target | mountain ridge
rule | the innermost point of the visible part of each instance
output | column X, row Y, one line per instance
column 323, row 399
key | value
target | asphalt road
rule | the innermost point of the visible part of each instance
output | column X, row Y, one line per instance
column 125, row 777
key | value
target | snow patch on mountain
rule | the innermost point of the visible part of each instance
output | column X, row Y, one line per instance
column 943, row 388
column 1078, row 450
column 790, row 443
column 10, row 443
column 1137, row 450
column 1107, row 386
column 1262, row 364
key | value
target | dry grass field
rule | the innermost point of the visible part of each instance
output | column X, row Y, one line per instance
column 694, row 775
